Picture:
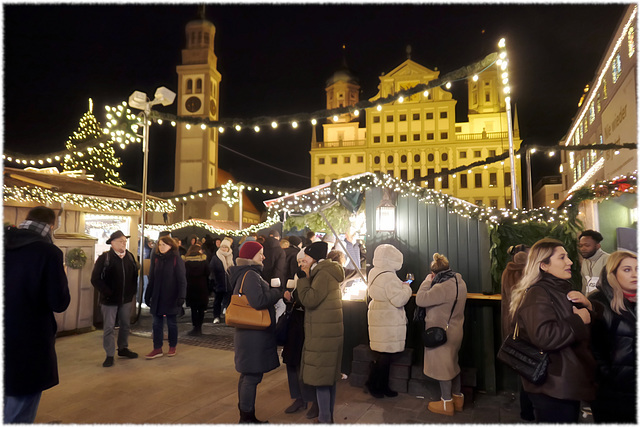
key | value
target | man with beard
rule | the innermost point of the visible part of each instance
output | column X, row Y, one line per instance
column 593, row 259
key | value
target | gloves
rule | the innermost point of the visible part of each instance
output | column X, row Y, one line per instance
column 180, row 302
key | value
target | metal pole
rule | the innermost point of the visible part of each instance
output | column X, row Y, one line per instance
column 514, row 200
column 530, row 201
column 145, row 151
column 239, row 206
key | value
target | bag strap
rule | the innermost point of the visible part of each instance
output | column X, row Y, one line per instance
column 374, row 279
column 454, row 303
column 242, row 284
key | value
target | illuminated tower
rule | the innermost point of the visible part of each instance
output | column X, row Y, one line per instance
column 198, row 94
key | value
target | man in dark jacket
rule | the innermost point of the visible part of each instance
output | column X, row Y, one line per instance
column 115, row 276
column 275, row 259
column 35, row 286
column 291, row 254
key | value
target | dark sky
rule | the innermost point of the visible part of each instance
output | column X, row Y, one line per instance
column 274, row 60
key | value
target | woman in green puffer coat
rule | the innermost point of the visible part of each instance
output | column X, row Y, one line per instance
column 319, row 293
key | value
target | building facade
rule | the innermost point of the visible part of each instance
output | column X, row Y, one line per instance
column 607, row 114
column 420, row 135
column 547, row 192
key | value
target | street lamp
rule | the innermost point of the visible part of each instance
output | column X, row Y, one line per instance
column 140, row 101
column 502, row 64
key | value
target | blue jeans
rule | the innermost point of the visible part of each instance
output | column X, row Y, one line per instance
column 172, row 328
column 109, row 313
column 326, row 396
column 21, row 409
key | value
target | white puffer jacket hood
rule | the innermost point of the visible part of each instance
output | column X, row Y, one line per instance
column 387, row 257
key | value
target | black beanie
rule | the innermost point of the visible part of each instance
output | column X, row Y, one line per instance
column 294, row 240
column 317, row 250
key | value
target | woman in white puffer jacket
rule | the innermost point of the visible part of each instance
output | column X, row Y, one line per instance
column 386, row 316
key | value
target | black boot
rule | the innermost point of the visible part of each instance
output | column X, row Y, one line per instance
column 373, row 382
column 196, row 331
column 249, row 417
column 384, row 382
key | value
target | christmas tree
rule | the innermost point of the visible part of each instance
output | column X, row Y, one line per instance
column 98, row 160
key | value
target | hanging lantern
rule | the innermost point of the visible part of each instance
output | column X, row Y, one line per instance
column 386, row 213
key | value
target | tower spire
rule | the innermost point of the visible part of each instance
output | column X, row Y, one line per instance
column 201, row 9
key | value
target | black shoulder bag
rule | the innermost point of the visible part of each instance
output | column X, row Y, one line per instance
column 436, row 336
column 523, row 357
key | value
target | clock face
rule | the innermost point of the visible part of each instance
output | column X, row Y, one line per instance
column 212, row 107
column 193, row 104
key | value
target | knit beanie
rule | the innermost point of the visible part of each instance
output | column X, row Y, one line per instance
column 249, row 249
column 317, row 250
column 227, row 243
column 294, row 240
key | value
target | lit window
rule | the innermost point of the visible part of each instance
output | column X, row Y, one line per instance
column 592, row 113
column 598, row 103
column 616, row 68
column 631, row 40
column 604, row 87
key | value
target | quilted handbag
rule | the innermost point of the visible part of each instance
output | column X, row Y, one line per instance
column 521, row 356
column 241, row 315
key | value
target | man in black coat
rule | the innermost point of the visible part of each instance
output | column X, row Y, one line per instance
column 275, row 259
column 115, row 276
column 35, row 286
column 291, row 254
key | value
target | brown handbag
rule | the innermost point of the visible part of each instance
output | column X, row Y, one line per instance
column 241, row 315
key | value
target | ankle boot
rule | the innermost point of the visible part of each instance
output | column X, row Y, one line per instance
column 384, row 382
column 296, row 406
column 249, row 417
column 458, row 401
column 373, row 382
column 444, row 407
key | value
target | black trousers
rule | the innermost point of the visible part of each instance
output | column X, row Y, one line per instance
column 548, row 409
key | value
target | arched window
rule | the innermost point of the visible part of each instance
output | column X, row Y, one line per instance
column 199, row 86
column 430, row 157
column 416, row 158
column 189, row 86
column 403, row 159
column 390, row 159
column 376, row 160
column 445, row 157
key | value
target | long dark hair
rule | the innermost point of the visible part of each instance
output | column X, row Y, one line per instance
column 169, row 241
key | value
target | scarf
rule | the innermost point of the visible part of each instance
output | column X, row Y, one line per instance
column 226, row 258
column 39, row 227
column 443, row 276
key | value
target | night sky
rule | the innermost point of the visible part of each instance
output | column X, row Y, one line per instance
column 275, row 60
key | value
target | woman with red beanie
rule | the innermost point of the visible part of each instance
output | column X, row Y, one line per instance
column 255, row 350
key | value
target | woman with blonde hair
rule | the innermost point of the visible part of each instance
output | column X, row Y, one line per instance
column 613, row 339
column 554, row 319
column 444, row 294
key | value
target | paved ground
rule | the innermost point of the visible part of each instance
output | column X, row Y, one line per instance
column 199, row 386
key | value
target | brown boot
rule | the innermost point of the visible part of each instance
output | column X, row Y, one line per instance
column 444, row 407
column 458, row 401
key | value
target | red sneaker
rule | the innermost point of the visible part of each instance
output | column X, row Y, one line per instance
column 157, row 352
column 172, row 351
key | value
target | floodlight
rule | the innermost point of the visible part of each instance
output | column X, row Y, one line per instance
column 164, row 96
column 138, row 100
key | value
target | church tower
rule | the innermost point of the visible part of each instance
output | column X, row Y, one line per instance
column 198, row 95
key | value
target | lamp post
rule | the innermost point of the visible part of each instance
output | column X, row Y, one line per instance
column 529, row 186
column 140, row 101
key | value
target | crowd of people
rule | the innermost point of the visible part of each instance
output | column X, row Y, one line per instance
column 589, row 334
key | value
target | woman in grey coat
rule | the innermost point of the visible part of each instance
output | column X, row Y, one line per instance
column 438, row 293
column 255, row 350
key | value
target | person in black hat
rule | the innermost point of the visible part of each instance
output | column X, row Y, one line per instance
column 115, row 276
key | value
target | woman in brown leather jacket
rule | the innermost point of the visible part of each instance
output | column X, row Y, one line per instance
column 552, row 317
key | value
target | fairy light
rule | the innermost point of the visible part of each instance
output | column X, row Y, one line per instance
column 294, row 125
column 379, row 107
column 274, row 125
column 314, row 122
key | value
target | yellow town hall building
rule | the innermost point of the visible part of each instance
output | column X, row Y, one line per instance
column 420, row 135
